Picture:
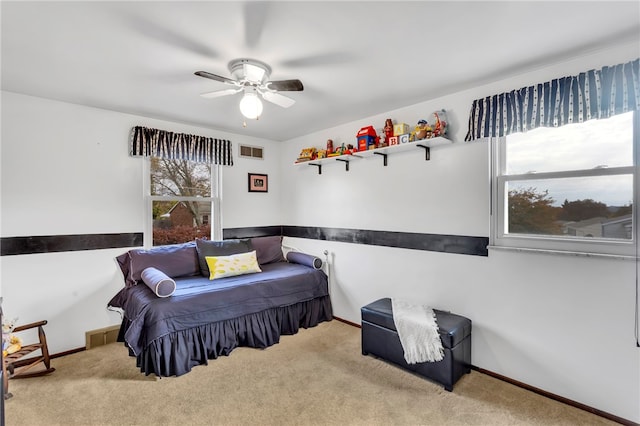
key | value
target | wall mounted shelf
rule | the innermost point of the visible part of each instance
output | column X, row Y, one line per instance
column 384, row 152
column 425, row 144
column 346, row 159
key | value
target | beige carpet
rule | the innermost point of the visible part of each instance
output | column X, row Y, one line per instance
column 317, row 377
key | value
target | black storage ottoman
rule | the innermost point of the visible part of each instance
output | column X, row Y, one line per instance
column 380, row 338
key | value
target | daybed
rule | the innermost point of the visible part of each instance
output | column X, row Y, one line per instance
column 175, row 317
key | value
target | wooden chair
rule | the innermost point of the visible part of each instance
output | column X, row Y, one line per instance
column 16, row 366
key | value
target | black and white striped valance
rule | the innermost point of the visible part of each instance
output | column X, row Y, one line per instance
column 148, row 142
column 593, row 94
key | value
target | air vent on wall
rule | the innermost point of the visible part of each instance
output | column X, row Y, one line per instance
column 102, row 336
column 248, row 151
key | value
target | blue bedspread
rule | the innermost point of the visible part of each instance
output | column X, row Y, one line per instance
column 197, row 301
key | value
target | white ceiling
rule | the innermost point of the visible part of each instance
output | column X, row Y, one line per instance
column 356, row 59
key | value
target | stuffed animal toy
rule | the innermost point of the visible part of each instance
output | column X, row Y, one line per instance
column 10, row 342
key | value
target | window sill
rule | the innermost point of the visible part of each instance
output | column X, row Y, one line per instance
column 563, row 253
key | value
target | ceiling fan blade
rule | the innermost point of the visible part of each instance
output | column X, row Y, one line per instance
column 321, row 59
column 219, row 93
column 168, row 36
column 216, row 77
column 255, row 16
column 278, row 99
column 285, row 85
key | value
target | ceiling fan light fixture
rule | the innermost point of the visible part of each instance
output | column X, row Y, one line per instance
column 252, row 77
column 251, row 105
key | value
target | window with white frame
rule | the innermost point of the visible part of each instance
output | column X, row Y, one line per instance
column 183, row 201
column 569, row 188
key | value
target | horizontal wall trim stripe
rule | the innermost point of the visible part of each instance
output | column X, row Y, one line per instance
column 58, row 243
column 458, row 244
column 251, row 232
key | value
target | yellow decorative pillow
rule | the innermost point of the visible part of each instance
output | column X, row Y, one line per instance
column 235, row 264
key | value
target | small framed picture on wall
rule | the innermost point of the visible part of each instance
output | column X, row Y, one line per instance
column 258, row 183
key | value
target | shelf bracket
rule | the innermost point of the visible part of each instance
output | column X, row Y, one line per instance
column 384, row 155
column 319, row 166
column 427, row 152
column 346, row 163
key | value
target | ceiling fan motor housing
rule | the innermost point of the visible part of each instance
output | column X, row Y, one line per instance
column 250, row 70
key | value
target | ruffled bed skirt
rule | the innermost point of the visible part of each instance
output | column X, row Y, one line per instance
column 177, row 353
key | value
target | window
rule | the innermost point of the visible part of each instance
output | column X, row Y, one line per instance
column 567, row 188
column 183, row 201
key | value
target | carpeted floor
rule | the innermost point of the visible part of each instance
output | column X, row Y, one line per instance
column 317, row 377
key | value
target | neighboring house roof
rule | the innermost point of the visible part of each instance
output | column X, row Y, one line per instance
column 172, row 208
column 205, row 208
column 586, row 222
column 620, row 219
column 616, row 227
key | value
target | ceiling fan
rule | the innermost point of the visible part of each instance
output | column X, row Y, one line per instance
column 252, row 78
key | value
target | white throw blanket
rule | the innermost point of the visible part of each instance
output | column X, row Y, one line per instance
column 418, row 332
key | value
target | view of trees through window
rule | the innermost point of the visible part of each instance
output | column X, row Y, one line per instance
column 533, row 211
column 178, row 214
column 574, row 180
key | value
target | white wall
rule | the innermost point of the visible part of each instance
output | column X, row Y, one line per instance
column 560, row 323
column 66, row 170
column 244, row 208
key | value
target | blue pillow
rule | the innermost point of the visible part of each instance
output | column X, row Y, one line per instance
column 176, row 260
column 268, row 249
column 219, row 248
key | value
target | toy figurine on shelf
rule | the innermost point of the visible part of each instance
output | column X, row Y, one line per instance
column 342, row 150
column 322, row 153
column 329, row 146
column 388, row 129
column 422, row 131
column 307, row 154
column 382, row 138
column 439, row 120
column 383, row 141
column 337, row 151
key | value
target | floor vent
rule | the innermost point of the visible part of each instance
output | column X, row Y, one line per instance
column 102, row 336
column 248, row 151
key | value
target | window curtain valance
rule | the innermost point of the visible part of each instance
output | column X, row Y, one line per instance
column 593, row 94
column 146, row 142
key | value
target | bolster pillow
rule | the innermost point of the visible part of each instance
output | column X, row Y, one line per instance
column 304, row 259
column 158, row 281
